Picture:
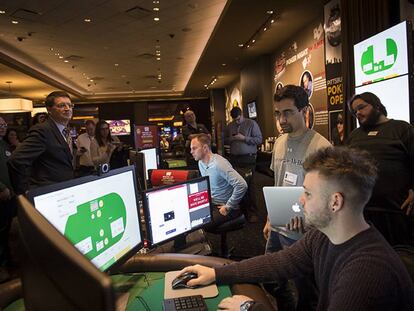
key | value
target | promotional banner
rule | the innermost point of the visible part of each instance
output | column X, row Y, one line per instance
column 333, row 63
column 302, row 63
column 146, row 136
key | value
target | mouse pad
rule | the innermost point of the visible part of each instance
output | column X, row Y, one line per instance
column 208, row 291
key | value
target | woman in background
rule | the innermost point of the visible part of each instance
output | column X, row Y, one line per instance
column 104, row 144
column 12, row 139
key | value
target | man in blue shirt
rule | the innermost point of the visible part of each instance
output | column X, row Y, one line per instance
column 227, row 186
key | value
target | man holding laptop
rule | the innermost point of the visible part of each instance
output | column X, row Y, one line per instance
column 289, row 152
column 354, row 267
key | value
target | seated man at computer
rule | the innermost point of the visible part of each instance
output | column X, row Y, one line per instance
column 227, row 186
column 354, row 267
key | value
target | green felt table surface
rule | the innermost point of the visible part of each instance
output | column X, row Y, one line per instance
column 146, row 292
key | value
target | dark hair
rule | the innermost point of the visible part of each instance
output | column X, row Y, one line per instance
column 352, row 170
column 98, row 135
column 204, row 139
column 6, row 136
column 369, row 98
column 294, row 92
column 89, row 122
column 50, row 99
column 36, row 117
column 235, row 112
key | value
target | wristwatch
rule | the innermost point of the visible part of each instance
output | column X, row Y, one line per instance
column 245, row 306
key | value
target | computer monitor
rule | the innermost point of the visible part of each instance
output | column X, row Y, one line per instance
column 177, row 209
column 99, row 215
column 55, row 275
column 151, row 160
column 137, row 159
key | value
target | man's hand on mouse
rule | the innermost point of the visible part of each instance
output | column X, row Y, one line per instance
column 205, row 275
column 233, row 303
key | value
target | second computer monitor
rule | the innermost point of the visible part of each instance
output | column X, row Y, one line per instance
column 177, row 209
column 151, row 160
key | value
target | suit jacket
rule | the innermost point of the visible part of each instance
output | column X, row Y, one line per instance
column 43, row 158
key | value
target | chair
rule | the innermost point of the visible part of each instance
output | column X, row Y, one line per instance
column 160, row 177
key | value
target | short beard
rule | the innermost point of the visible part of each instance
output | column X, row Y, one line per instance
column 321, row 220
column 372, row 119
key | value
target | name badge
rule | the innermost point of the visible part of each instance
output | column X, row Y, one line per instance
column 8, row 153
column 290, row 179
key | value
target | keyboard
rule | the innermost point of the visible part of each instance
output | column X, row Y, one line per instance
column 188, row 303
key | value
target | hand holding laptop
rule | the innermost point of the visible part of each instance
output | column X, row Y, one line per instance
column 296, row 224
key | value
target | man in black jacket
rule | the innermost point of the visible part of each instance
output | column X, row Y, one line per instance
column 45, row 156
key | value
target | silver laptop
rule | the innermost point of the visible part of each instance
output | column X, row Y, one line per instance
column 282, row 204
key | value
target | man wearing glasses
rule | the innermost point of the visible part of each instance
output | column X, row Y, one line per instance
column 391, row 143
column 45, row 156
column 289, row 152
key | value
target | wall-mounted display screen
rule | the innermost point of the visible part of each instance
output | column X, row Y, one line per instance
column 251, row 109
column 394, row 95
column 382, row 56
column 119, row 127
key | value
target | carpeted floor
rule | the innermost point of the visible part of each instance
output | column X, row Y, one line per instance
column 249, row 241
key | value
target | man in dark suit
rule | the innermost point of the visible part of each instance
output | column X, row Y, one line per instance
column 45, row 156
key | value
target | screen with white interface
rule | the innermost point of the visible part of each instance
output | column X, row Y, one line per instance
column 99, row 217
column 151, row 160
column 177, row 209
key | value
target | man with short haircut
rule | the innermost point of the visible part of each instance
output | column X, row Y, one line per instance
column 45, row 156
column 83, row 144
column 244, row 135
column 289, row 152
column 189, row 131
column 354, row 267
column 391, row 143
column 227, row 186
column 6, row 193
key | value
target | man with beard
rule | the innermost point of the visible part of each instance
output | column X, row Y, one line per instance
column 391, row 143
column 289, row 152
column 354, row 267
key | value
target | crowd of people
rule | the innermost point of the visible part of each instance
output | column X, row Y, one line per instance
column 358, row 199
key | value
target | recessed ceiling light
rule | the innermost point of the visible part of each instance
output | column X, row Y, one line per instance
column 156, row 1
column 156, row 9
column 60, row 56
column 51, row 49
column 116, row 65
column 158, row 58
column 272, row 21
column 66, row 61
column 87, row 20
column 156, row 19
column 241, row 45
column 2, row 12
column 224, row 64
column 91, row 80
column 264, row 29
column 269, row 12
column 254, row 40
column 15, row 22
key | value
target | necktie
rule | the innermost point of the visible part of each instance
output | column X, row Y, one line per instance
column 68, row 138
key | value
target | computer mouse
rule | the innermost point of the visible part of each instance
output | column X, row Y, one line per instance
column 181, row 280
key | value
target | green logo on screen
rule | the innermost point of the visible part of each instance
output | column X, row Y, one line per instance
column 369, row 66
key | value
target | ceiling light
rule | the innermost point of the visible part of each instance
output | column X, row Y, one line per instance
column 156, row 1
column 66, row 61
column 88, row 20
column 240, row 45
column 264, row 29
column 272, row 21
column 156, row 19
column 269, row 12
column 224, row 64
column 254, row 40
column 15, row 22
column 156, row 9
column 10, row 105
column 158, row 58
column 2, row 12
column 116, row 65
column 51, row 49
column 60, row 56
